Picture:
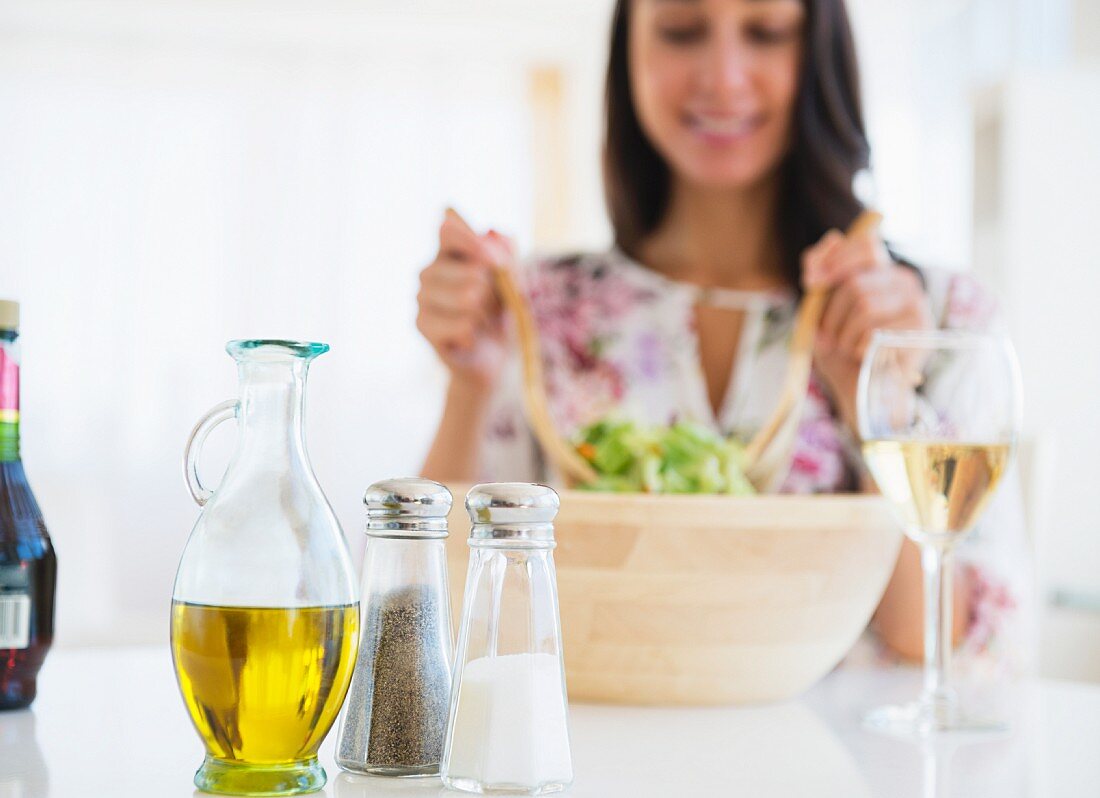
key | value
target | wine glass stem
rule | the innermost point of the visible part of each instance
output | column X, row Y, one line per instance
column 938, row 627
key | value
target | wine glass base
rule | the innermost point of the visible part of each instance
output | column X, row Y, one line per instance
column 919, row 719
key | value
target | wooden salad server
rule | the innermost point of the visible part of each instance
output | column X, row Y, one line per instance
column 768, row 455
column 561, row 454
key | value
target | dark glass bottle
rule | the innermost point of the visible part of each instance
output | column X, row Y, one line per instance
column 28, row 566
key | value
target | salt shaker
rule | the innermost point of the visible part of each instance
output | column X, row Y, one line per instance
column 396, row 712
column 507, row 730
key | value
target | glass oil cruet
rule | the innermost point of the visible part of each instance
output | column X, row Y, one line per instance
column 396, row 711
column 507, row 730
column 265, row 614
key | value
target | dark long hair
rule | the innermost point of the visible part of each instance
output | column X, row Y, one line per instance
column 829, row 145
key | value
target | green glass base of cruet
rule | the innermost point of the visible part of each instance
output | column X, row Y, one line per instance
column 239, row 778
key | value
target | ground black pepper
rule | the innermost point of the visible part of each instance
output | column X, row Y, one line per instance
column 396, row 713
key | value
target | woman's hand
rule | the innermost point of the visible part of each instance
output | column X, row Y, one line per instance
column 459, row 313
column 869, row 292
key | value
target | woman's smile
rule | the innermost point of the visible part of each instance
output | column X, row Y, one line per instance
column 722, row 129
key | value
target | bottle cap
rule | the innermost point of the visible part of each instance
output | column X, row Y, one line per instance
column 9, row 315
column 512, row 512
column 407, row 507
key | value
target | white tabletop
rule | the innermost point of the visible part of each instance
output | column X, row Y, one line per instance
column 111, row 723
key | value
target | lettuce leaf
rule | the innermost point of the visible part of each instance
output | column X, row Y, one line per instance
column 685, row 457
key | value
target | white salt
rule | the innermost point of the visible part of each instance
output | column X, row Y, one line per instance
column 510, row 723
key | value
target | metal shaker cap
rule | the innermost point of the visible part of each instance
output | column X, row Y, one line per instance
column 407, row 507
column 512, row 513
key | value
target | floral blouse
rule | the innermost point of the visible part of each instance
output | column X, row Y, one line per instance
column 620, row 339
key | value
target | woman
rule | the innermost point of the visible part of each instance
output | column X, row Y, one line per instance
column 733, row 134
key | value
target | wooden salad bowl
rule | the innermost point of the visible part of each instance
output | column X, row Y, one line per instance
column 707, row 599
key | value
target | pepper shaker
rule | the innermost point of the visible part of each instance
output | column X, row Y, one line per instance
column 507, row 730
column 396, row 712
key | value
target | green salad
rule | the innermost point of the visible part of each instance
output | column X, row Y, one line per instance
column 683, row 458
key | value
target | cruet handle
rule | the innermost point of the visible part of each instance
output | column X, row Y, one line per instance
column 217, row 414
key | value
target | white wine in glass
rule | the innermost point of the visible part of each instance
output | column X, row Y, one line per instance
column 939, row 487
column 939, row 413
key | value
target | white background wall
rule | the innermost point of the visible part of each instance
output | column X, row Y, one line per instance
column 175, row 174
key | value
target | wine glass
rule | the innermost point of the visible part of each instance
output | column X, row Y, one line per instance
column 939, row 414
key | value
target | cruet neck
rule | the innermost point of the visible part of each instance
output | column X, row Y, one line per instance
column 272, row 379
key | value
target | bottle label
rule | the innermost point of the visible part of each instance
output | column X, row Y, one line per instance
column 15, row 607
column 9, row 386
